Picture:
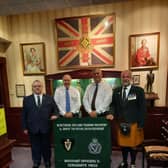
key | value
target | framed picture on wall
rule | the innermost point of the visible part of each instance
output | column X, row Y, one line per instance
column 136, row 79
column 20, row 90
column 86, row 41
column 144, row 51
column 33, row 58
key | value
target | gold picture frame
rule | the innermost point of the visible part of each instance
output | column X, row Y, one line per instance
column 144, row 51
column 33, row 58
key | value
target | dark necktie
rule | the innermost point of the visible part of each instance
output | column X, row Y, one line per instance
column 94, row 97
column 68, row 108
column 124, row 94
column 38, row 101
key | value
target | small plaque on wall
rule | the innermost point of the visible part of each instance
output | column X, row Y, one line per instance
column 20, row 90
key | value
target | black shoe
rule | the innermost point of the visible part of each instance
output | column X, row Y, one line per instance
column 123, row 165
column 132, row 166
column 35, row 165
column 47, row 165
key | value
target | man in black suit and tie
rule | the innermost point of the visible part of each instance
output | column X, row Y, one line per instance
column 38, row 111
column 129, row 108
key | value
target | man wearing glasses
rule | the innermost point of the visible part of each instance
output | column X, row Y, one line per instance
column 38, row 111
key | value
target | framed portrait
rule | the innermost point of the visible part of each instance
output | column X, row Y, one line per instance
column 136, row 79
column 87, row 41
column 144, row 51
column 20, row 90
column 33, row 58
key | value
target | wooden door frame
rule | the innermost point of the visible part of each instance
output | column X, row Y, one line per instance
column 4, row 87
column 167, row 91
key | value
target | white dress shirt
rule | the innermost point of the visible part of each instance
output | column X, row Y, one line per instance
column 103, row 97
column 127, row 90
column 60, row 99
column 36, row 99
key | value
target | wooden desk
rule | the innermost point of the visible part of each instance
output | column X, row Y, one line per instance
column 5, row 152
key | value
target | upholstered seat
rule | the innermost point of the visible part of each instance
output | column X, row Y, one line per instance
column 159, row 156
column 155, row 152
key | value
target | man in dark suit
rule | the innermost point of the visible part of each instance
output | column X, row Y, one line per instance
column 129, row 108
column 38, row 111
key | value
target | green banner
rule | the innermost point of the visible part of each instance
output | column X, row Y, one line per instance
column 82, row 142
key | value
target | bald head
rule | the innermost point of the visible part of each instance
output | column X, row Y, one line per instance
column 97, row 75
column 126, row 77
column 67, row 80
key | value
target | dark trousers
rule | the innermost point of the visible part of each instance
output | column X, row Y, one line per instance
column 133, row 152
column 40, row 147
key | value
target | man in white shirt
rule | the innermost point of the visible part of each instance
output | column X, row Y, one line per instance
column 97, row 104
column 72, row 107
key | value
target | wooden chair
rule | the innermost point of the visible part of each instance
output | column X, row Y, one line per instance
column 156, row 151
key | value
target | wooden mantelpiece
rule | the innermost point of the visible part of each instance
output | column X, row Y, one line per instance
column 77, row 74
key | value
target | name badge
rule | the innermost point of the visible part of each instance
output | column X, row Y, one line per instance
column 132, row 97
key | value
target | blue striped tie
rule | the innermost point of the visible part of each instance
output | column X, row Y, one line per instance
column 68, row 108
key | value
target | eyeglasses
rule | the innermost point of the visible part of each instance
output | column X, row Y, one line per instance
column 35, row 86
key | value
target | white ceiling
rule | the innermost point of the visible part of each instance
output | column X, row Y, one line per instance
column 12, row 7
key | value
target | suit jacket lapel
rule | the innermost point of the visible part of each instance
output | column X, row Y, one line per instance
column 33, row 100
column 131, row 91
column 120, row 95
column 126, row 101
column 43, row 99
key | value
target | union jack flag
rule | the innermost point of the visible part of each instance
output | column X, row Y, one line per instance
column 86, row 41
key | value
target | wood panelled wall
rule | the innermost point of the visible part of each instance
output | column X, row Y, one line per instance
column 153, row 121
column 167, row 92
column 132, row 17
column 152, row 125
